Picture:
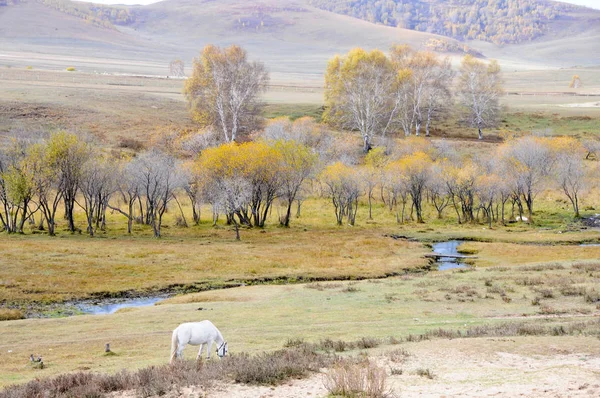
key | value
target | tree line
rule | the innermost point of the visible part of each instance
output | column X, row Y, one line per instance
column 245, row 171
column 287, row 162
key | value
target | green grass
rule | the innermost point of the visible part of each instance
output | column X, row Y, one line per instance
column 293, row 111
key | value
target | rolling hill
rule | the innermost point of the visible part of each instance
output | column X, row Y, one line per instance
column 293, row 37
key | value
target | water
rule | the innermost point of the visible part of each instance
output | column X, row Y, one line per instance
column 113, row 306
column 590, row 245
column 450, row 248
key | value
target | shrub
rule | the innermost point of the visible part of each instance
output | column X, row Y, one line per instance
column 398, row 355
column 425, row 373
column 274, row 367
column 131, row 143
column 349, row 378
column 367, row 342
column 7, row 314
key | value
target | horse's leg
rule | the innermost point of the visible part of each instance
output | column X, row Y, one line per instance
column 180, row 351
column 199, row 352
column 209, row 347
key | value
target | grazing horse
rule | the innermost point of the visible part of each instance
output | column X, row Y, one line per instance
column 197, row 333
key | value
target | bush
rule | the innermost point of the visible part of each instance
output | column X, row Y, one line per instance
column 349, row 378
column 274, row 367
column 7, row 314
column 131, row 143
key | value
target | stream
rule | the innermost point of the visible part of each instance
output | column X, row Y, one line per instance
column 450, row 248
column 105, row 308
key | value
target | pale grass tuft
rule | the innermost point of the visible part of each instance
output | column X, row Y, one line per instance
column 349, row 378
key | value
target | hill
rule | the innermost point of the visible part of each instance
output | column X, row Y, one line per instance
column 294, row 38
column 499, row 22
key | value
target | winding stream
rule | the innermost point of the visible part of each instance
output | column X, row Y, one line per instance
column 450, row 248
column 112, row 307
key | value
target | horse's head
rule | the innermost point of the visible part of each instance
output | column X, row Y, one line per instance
column 222, row 350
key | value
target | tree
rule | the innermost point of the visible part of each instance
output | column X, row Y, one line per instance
column 527, row 163
column 128, row 187
column 97, row 185
column 357, row 93
column 576, row 82
column 47, row 183
column 438, row 94
column 67, row 154
column 416, row 169
column 157, row 176
column 177, row 68
column 233, row 196
column 569, row 169
column 16, row 186
column 224, row 89
column 341, row 185
column 372, row 173
column 298, row 163
column 479, row 90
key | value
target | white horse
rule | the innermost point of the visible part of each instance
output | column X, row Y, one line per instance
column 197, row 333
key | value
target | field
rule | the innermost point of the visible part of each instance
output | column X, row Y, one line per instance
column 523, row 320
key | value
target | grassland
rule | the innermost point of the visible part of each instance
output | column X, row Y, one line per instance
column 537, row 274
column 259, row 318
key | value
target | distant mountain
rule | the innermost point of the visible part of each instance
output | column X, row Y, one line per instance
column 496, row 21
column 294, row 38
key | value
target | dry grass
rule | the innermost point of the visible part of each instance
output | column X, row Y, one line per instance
column 262, row 318
column 43, row 269
column 352, row 379
column 268, row 368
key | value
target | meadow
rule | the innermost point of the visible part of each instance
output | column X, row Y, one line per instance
column 531, row 295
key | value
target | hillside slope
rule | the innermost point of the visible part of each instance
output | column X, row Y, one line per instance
column 294, row 38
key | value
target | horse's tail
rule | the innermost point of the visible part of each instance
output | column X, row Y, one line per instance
column 174, row 346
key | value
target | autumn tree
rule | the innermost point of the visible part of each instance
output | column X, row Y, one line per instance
column 297, row 164
column 357, row 93
column 224, row 90
column 342, row 187
column 479, row 91
column 416, row 168
column 372, row 174
column 16, row 186
column 66, row 154
column 396, row 187
column 575, row 82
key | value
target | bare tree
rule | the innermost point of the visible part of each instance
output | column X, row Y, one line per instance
column 224, row 90
column 479, row 90
column 438, row 95
column 177, row 68
column 157, row 176
column 128, row 189
column 97, row 185
column 569, row 170
column 233, row 194
column 527, row 164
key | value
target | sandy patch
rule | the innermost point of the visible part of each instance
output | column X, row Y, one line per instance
column 486, row 367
